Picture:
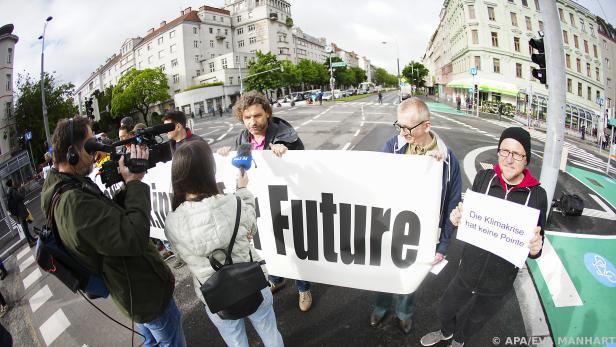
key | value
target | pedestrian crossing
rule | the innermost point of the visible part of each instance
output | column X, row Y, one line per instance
column 366, row 103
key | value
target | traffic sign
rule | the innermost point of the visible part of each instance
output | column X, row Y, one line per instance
column 28, row 135
column 600, row 101
column 612, row 121
column 339, row 64
column 473, row 71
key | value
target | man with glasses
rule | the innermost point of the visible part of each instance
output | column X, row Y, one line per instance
column 415, row 138
column 483, row 280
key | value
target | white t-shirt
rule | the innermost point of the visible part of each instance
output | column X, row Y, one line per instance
column 46, row 170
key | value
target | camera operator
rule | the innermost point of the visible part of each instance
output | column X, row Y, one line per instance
column 111, row 237
column 181, row 134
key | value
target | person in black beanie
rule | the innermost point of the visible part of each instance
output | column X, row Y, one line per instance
column 483, row 279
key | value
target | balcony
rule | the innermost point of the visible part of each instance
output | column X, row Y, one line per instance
column 273, row 16
column 220, row 36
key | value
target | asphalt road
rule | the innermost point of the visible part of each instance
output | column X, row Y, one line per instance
column 339, row 316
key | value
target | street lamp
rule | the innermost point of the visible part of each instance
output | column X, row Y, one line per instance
column 45, row 120
column 398, row 64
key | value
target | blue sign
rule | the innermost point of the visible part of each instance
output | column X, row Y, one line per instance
column 50, row 149
column 28, row 135
column 473, row 71
column 600, row 101
column 601, row 269
column 471, row 90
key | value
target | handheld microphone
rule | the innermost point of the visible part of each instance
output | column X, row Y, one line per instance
column 243, row 160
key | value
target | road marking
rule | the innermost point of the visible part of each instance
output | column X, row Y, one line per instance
column 346, row 146
column 379, row 114
column 361, row 124
column 342, row 112
column 23, row 253
column 577, row 163
column 486, row 166
column 307, row 122
column 325, row 121
column 297, row 128
column 31, row 278
column 356, row 133
column 377, row 122
column 54, row 326
column 469, row 161
column 605, row 214
column 581, row 236
column 24, row 265
column 39, row 298
column 560, row 286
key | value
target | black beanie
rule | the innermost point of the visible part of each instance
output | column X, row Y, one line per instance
column 520, row 135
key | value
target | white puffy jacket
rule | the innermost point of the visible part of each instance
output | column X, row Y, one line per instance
column 197, row 228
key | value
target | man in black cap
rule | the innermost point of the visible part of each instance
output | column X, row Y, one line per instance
column 483, row 279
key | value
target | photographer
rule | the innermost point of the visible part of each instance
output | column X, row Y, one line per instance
column 111, row 237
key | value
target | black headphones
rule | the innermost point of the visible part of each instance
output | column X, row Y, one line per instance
column 71, row 154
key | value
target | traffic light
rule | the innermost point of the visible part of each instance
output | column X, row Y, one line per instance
column 539, row 59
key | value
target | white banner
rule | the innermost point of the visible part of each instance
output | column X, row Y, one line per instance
column 501, row 227
column 364, row 220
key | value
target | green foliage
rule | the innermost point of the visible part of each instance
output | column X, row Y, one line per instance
column 290, row 76
column 204, row 85
column 385, row 79
column 137, row 90
column 264, row 81
column 106, row 123
column 416, row 74
column 29, row 111
column 289, row 22
column 312, row 73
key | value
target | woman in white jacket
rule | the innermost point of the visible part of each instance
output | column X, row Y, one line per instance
column 202, row 221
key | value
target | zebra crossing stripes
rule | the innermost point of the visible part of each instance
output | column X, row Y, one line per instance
column 365, row 103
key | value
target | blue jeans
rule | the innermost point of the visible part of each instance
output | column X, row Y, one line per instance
column 302, row 286
column 404, row 304
column 263, row 320
column 165, row 330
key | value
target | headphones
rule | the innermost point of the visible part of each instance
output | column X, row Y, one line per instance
column 72, row 156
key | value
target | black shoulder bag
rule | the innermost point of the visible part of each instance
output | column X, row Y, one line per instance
column 234, row 290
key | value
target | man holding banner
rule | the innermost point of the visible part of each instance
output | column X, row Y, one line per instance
column 416, row 138
column 265, row 132
column 483, row 278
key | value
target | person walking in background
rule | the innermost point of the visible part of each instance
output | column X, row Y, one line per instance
column 220, row 110
column 48, row 164
column 17, row 208
column 380, row 97
column 458, row 102
column 202, row 221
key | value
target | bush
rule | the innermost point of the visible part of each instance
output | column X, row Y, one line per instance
column 204, row 85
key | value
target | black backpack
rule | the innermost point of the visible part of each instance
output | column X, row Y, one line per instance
column 52, row 256
column 571, row 204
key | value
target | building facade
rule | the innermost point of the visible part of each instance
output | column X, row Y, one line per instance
column 607, row 44
column 493, row 37
column 308, row 47
column 7, row 120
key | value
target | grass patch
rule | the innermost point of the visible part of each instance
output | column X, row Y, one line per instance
column 204, row 85
column 352, row 97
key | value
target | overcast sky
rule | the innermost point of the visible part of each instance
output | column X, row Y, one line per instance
column 84, row 33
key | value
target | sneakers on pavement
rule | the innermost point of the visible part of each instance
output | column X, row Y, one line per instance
column 405, row 325
column 305, row 300
column 433, row 338
column 274, row 287
column 375, row 319
column 3, row 310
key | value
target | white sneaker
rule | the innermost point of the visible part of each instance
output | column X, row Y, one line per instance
column 305, row 300
column 433, row 338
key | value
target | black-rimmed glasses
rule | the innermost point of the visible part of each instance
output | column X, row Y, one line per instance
column 505, row 153
column 406, row 129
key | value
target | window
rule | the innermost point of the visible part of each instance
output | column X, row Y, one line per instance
column 240, row 31
column 239, row 19
column 598, row 94
column 496, row 63
column 561, row 15
column 518, row 70
column 176, row 78
column 212, row 67
column 212, row 56
column 494, row 39
column 214, row 18
column 174, row 63
column 197, row 58
column 582, row 26
column 588, row 69
column 240, row 43
column 579, row 89
column 149, row 46
column 218, row 31
column 597, row 74
column 478, row 62
column 252, row 40
column 565, row 37
column 160, row 40
column 594, row 50
column 211, row 43
column 226, row 31
column 139, row 52
column 541, row 25
column 230, row 79
column 529, row 24
column 211, row 30
column 530, row 50
column 471, row 11
column 537, row 5
column 161, row 53
column 525, row 3
column 139, row 66
column 475, row 36
column 251, row 27
column 172, row 49
column 591, row 29
column 198, row 72
column 227, row 44
column 195, row 30
column 568, row 60
column 569, row 85
column 578, row 64
column 514, row 19
column 150, row 60
column 572, row 20
column 516, row 44
column 576, row 42
column 9, row 58
column 196, row 44
column 162, row 68
column 607, row 63
column 9, row 83
column 172, row 34
column 588, row 93
column 586, row 47
column 491, row 15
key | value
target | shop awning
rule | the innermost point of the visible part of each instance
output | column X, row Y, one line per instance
column 485, row 85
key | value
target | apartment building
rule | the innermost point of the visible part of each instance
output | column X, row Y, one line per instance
column 607, row 45
column 7, row 77
column 493, row 37
column 308, row 47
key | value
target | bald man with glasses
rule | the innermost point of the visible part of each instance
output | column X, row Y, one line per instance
column 415, row 137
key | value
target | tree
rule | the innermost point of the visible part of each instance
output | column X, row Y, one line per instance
column 137, row 90
column 312, row 73
column 384, row 78
column 415, row 73
column 289, row 77
column 106, row 122
column 358, row 75
column 266, row 80
column 29, row 111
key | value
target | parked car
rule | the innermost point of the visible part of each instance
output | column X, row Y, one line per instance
column 405, row 96
column 327, row 96
column 337, row 94
column 297, row 96
column 350, row 92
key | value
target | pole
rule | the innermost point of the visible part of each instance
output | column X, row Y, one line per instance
column 331, row 76
column 555, row 124
column 45, row 120
column 32, row 156
column 609, row 155
column 398, row 64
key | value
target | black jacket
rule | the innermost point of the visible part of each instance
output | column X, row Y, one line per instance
column 279, row 131
column 480, row 270
column 15, row 201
